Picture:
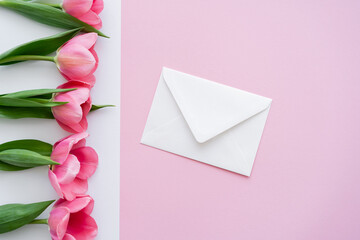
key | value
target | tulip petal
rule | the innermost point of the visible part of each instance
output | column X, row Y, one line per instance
column 86, row 107
column 90, row 207
column 77, row 7
column 98, row 6
column 82, row 126
column 73, row 129
column 68, row 114
column 58, row 222
column 92, row 19
column 80, row 144
column 67, row 172
column 88, row 159
column 78, row 100
column 72, row 114
column 59, row 202
column 62, row 147
column 82, row 226
column 68, row 237
column 86, row 40
column 78, row 204
column 93, row 52
column 90, row 80
column 54, row 182
column 75, row 61
column 75, row 188
column 78, row 96
column 74, row 84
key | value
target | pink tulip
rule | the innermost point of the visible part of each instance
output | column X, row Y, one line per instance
column 86, row 10
column 72, row 115
column 77, row 59
column 71, row 220
column 91, row 80
column 77, row 163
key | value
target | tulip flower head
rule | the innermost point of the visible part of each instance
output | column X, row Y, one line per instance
column 78, row 162
column 85, row 10
column 77, row 59
column 71, row 220
column 72, row 116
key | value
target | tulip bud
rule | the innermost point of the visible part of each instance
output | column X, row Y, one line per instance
column 77, row 59
column 72, row 116
column 86, row 10
column 78, row 162
column 72, row 220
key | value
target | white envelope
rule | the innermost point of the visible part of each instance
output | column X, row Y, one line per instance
column 206, row 121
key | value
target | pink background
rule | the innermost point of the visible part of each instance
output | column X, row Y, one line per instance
column 305, row 55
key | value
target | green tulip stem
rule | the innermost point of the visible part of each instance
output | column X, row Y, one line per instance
column 26, row 58
column 40, row 221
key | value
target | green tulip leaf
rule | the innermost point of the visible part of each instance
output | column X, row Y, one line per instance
column 48, row 15
column 40, row 47
column 29, row 102
column 10, row 168
column 38, row 146
column 36, row 93
column 24, row 112
column 45, row 102
column 25, row 158
column 96, row 107
column 14, row 216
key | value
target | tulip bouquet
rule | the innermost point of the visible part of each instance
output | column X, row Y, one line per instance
column 70, row 161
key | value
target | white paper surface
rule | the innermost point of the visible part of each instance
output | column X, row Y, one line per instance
column 104, row 125
column 206, row 121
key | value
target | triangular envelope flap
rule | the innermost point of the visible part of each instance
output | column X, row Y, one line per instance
column 211, row 108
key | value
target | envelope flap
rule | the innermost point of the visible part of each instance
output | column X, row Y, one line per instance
column 211, row 108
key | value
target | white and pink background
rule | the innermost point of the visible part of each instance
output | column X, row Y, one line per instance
column 305, row 55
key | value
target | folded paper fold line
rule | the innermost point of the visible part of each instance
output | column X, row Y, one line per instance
column 210, row 108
